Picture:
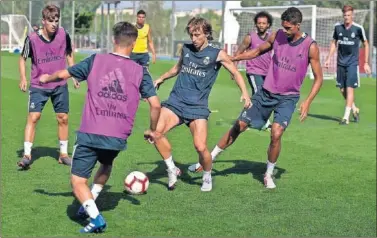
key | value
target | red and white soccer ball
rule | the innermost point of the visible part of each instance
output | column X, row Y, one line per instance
column 136, row 183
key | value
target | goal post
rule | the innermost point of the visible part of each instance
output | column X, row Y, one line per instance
column 317, row 22
column 14, row 29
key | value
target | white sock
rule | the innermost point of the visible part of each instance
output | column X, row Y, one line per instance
column 270, row 167
column 96, row 189
column 347, row 113
column 63, row 147
column 27, row 148
column 170, row 163
column 91, row 208
column 215, row 152
column 206, row 174
column 354, row 108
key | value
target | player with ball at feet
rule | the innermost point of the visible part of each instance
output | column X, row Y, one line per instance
column 197, row 70
column 294, row 50
column 114, row 83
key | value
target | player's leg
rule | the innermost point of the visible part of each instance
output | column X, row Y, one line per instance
column 150, row 94
column 60, row 102
column 106, row 158
column 198, row 130
column 282, row 117
column 341, row 82
column 258, row 81
column 353, row 82
column 83, row 162
column 167, row 120
column 254, row 117
column 36, row 103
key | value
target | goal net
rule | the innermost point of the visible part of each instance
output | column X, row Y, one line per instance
column 317, row 22
column 14, row 29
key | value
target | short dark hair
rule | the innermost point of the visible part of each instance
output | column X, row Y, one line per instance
column 199, row 22
column 124, row 33
column 142, row 12
column 50, row 12
column 263, row 14
column 292, row 15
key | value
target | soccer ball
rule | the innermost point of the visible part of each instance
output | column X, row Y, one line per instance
column 136, row 183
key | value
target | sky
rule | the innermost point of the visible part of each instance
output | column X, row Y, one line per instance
column 181, row 5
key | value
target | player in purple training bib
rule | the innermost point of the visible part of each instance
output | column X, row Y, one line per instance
column 293, row 52
column 256, row 69
column 114, row 84
column 50, row 50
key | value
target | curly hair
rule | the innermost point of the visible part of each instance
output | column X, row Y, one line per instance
column 263, row 14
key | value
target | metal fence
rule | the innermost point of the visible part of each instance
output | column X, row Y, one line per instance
column 89, row 22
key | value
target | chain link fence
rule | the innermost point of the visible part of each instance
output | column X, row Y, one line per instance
column 89, row 22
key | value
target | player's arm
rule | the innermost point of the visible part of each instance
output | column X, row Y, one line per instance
column 315, row 64
column 79, row 71
column 333, row 46
column 243, row 45
column 261, row 49
column 26, row 53
column 151, row 45
column 224, row 59
column 174, row 71
column 366, row 48
column 70, row 57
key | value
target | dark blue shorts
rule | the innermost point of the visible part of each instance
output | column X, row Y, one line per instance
column 140, row 58
column 264, row 103
column 256, row 82
column 347, row 76
column 186, row 114
column 59, row 98
column 84, row 159
column 147, row 85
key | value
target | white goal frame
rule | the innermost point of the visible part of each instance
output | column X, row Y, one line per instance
column 12, row 35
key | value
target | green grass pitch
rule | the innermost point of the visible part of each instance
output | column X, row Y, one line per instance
column 326, row 173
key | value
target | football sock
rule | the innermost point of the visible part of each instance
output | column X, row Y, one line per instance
column 91, row 208
column 27, row 148
column 215, row 152
column 64, row 147
column 206, row 174
column 270, row 167
column 96, row 189
column 347, row 113
column 170, row 163
column 354, row 108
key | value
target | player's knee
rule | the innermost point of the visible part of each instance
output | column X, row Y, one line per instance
column 62, row 118
column 200, row 147
column 276, row 133
column 154, row 102
column 241, row 126
column 157, row 135
column 34, row 117
column 77, row 181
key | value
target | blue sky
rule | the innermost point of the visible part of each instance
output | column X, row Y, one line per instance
column 181, row 5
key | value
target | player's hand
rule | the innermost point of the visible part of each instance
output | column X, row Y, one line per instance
column 157, row 83
column 247, row 101
column 43, row 78
column 304, row 109
column 367, row 69
column 23, row 85
column 153, row 58
column 327, row 64
column 148, row 136
column 76, row 83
